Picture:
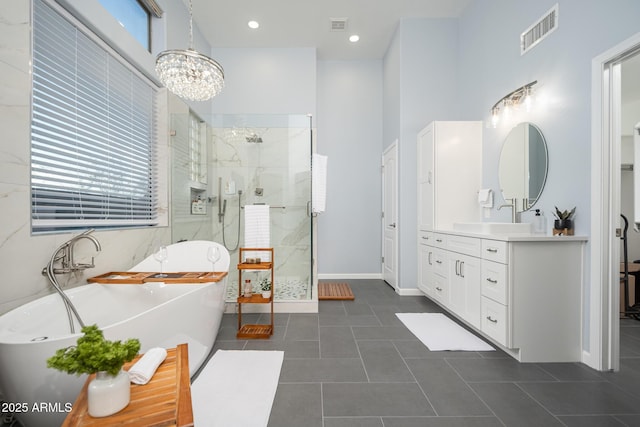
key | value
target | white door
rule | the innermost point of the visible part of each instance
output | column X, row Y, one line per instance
column 390, row 215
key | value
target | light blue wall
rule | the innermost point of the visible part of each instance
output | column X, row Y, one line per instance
column 267, row 81
column 350, row 134
column 491, row 66
column 420, row 87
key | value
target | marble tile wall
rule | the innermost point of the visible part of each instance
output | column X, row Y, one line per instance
column 22, row 256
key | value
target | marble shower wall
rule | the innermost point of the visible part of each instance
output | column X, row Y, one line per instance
column 276, row 172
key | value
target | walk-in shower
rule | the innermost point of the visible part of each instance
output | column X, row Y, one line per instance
column 268, row 159
column 250, row 159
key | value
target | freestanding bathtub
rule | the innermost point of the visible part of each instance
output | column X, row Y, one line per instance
column 159, row 315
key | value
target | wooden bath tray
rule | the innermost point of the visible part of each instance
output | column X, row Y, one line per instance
column 133, row 277
column 163, row 401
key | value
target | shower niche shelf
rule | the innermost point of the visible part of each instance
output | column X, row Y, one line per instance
column 254, row 331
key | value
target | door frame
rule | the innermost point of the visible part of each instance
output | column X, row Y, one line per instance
column 391, row 148
column 603, row 317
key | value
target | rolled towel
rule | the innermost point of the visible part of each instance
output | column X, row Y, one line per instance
column 143, row 370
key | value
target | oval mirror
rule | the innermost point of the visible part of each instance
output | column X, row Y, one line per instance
column 523, row 165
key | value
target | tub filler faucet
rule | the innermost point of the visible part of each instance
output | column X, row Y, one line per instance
column 64, row 255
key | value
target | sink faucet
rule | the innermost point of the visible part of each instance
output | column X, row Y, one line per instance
column 515, row 215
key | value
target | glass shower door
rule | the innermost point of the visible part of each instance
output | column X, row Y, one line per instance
column 265, row 159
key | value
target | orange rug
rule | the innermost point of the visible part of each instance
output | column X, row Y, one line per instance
column 334, row 291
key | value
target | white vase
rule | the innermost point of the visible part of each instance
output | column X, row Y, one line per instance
column 108, row 394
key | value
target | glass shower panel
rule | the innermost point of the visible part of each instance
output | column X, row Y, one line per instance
column 265, row 159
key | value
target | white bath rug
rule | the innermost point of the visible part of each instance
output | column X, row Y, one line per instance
column 236, row 388
column 439, row 333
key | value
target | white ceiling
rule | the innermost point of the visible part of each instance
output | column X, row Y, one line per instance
column 306, row 23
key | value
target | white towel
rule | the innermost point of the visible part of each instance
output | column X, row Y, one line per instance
column 318, row 183
column 485, row 198
column 143, row 370
column 257, row 230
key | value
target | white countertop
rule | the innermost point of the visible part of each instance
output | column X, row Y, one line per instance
column 515, row 237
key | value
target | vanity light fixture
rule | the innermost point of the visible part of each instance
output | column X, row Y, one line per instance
column 522, row 95
column 188, row 73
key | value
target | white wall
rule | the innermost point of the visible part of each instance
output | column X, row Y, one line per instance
column 350, row 134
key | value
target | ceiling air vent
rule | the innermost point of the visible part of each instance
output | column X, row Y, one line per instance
column 338, row 24
column 539, row 30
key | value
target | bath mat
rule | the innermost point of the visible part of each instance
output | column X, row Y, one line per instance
column 334, row 291
column 236, row 388
column 440, row 333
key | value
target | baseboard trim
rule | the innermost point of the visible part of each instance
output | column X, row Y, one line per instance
column 347, row 276
column 415, row 292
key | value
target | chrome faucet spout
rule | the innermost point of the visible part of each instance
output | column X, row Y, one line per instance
column 70, row 250
column 515, row 215
column 65, row 255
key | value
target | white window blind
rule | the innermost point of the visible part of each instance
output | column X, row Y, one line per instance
column 93, row 133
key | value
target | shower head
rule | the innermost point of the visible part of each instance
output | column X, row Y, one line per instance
column 255, row 138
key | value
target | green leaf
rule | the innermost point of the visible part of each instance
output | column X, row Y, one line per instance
column 92, row 353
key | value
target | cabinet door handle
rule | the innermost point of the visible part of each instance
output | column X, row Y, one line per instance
column 425, row 237
column 490, row 319
column 438, row 261
column 492, row 250
column 462, row 269
column 457, row 265
column 439, row 240
column 429, row 258
column 438, row 289
column 490, row 280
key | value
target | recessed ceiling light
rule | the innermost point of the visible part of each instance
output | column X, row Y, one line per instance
column 354, row 38
column 253, row 24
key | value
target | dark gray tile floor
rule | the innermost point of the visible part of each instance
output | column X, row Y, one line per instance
column 354, row 364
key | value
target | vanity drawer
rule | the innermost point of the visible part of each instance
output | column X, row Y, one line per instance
column 439, row 261
column 441, row 290
column 426, row 238
column 440, row 240
column 464, row 245
column 495, row 250
column 494, row 320
column 494, row 281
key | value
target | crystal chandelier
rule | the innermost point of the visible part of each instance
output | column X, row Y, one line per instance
column 188, row 73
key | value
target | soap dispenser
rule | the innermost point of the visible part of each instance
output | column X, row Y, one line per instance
column 539, row 223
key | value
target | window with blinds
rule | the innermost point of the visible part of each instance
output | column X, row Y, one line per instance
column 93, row 132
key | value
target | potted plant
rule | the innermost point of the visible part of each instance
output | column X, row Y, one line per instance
column 564, row 220
column 109, row 391
column 265, row 287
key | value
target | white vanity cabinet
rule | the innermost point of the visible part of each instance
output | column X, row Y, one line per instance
column 432, row 265
column 522, row 292
column 449, row 173
column 463, row 260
